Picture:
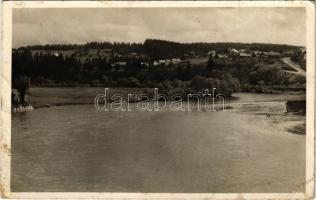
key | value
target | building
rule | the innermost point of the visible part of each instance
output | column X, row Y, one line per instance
column 211, row 53
column 162, row 62
column 303, row 52
column 296, row 106
column 175, row 60
column 244, row 55
column 289, row 52
column 233, row 51
column 119, row 64
column 221, row 56
column 274, row 54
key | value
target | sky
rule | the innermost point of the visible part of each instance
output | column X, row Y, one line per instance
column 32, row 26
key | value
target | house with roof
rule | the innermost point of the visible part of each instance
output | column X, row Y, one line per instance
column 175, row 60
column 244, row 54
column 274, row 54
column 162, row 62
column 221, row 56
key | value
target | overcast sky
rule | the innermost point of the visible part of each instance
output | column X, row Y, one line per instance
column 77, row 25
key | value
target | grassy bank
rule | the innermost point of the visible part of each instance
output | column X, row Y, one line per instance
column 48, row 97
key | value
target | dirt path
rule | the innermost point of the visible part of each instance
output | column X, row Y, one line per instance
column 296, row 67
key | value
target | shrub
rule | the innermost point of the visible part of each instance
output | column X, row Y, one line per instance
column 22, row 84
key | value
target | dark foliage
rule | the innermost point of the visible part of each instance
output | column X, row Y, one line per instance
column 22, row 84
column 131, row 65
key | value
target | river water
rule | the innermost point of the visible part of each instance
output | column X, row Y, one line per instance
column 77, row 148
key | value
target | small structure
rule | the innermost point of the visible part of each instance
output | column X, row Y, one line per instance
column 256, row 53
column 122, row 64
column 296, row 106
column 303, row 52
column 162, row 62
column 244, row 54
column 222, row 56
column 175, row 60
column 289, row 52
column 168, row 61
column 212, row 53
column 303, row 49
column 274, row 54
column 119, row 64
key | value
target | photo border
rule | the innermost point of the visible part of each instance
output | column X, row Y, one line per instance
column 5, row 92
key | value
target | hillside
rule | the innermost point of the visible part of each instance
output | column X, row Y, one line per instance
column 165, row 64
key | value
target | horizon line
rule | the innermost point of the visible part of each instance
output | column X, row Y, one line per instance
column 126, row 42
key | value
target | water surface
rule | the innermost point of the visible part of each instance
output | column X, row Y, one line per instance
column 76, row 148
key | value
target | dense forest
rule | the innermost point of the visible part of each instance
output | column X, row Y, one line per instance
column 167, row 49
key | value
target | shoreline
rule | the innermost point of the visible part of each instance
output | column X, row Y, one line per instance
column 269, row 106
column 40, row 97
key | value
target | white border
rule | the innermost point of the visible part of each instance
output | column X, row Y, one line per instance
column 5, row 91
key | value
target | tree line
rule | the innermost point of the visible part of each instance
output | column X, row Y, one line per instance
column 51, row 70
column 164, row 49
column 48, row 69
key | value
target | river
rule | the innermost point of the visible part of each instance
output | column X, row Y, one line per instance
column 76, row 148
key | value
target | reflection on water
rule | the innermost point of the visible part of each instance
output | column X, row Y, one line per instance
column 76, row 148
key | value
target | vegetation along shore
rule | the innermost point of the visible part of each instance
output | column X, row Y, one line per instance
column 173, row 68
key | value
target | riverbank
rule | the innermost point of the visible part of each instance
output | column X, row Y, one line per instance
column 272, row 107
column 41, row 97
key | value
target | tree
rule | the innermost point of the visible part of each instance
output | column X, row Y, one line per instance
column 188, row 71
column 22, row 84
column 199, row 82
column 210, row 63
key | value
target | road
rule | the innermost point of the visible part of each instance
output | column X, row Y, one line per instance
column 296, row 67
